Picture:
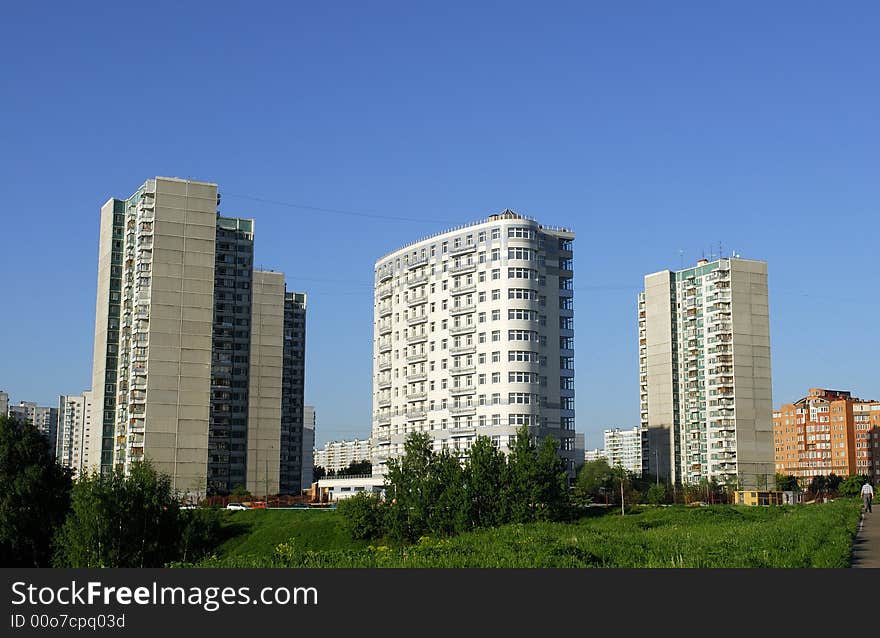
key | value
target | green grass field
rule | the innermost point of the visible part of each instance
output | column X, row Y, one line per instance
column 715, row 536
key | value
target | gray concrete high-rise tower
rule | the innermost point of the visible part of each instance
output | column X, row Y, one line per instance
column 188, row 358
column 704, row 373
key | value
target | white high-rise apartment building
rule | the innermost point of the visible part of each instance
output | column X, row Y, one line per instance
column 625, row 447
column 338, row 455
column 474, row 336
column 704, row 366
column 74, row 430
column 45, row 419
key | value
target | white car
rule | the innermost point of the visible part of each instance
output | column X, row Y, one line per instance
column 236, row 506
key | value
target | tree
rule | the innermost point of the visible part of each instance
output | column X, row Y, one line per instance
column 124, row 521
column 363, row 516
column 448, row 513
column 852, row 485
column 657, row 494
column 358, row 467
column 522, row 476
column 551, row 485
column 318, row 472
column 406, row 488
column 833, row 482
column 786, row 482
column 34, row 495
column 484, row 480
column 240, row 492
column 818, row 484
column 594, row 478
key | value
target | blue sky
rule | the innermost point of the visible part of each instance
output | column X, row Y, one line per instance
column 655, row 130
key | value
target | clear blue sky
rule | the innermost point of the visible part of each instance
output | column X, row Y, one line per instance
column 650, row 128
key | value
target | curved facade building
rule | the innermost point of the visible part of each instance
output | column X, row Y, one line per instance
column 474, row 336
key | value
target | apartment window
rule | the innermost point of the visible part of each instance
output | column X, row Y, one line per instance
column 481, row 277
column 496, row 273
column 496, row 377
column 481, row 379
column 481, row 317
column 444, row 248
column 496, row 335
column 496, row 254
column 496, row 294
column 519, row 253
column 481, row 338
column 481, row 297
column 481, row 359
column 443, row 344
column 481, row 237
column 496, row 315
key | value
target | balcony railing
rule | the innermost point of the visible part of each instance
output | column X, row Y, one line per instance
column 416, row 416
column 417, row 319
column 463, row 349
column 461, row 330
column 415, row 358
column 463, row 250
column 415, row 281
column 463, row 268
column 462, row 370
column 461, row 310
column 461, row 290
column 417, row 376
column 423, row 336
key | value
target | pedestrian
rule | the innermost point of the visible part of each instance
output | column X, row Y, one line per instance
column 867, row 495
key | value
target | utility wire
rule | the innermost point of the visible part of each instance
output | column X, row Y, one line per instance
column 337, row 211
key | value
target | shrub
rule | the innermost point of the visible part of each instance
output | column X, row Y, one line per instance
column 363, row 516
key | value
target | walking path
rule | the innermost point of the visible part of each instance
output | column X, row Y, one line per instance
column 866, row 546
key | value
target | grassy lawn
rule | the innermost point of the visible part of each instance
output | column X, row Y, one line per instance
column 715, row 536
column 258, row 532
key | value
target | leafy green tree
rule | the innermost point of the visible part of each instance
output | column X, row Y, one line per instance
column 34, row 495
column 522, row 476
column 833, row 482
column 448, row 513
column 200, row 533
column 318, row 472
column 852, row 485
column 593, row 480
column 818, row 484
column 407, row 488
column 657, row 494
column 121, row 521
column 786, row 482
column 363, row 516
column 484, row 479
column 551, row 485
column 240, row 492
column 358, row 467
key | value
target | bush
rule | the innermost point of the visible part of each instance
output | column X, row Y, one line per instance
column 657, row 495
column 363, row 516
column 200, row 533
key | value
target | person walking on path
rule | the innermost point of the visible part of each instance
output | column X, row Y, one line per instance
column 867, row 495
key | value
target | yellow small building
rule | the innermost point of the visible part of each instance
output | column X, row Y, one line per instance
column 760, row 497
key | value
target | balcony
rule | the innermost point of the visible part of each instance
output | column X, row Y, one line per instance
column 461, row 310
column 462, row 370
column 384, row 403
column 383, row 419
column 386, row 275
column 465, row 431
column 463, row 268
column 421, row 261
column 471, row 349
column 417, row 376
column 460, row 392
column 384, row 365
column 416, row 396
column 384, row 384
column 463, row 410
column 384, row 346
column 416, row 416
column 461, row 290
column 415, row 300
column 415, row 358
column 415, row 281
column 463, row 250
column 385, row 291
column 384, row 310
column 416, row 319
column 385, row 439
column 462, row 330
column 384, row 327
column 417, row 337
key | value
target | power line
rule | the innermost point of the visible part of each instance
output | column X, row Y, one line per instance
column 338, row 211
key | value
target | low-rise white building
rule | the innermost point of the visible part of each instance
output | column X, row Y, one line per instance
column 342, row 487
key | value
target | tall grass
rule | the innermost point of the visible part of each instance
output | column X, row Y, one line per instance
column 715, row 536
